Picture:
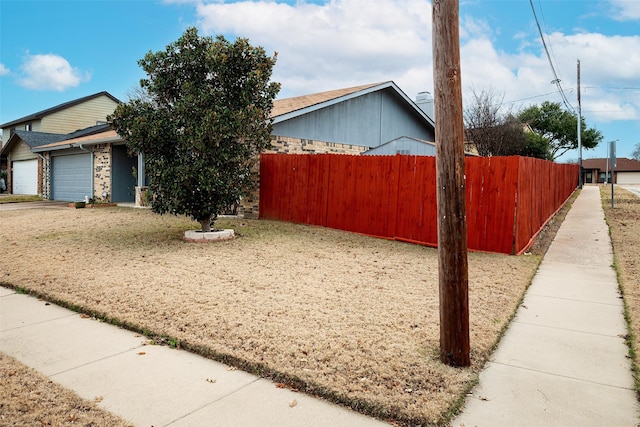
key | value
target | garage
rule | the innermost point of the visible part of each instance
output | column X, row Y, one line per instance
column 628, row 178
column 71, row 177
column 25, row 176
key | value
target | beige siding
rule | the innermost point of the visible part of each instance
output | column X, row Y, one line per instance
column 628, row 178
column 79, row 116
column 22, row 152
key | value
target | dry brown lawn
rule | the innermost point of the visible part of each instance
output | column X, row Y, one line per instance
column 346, row 317
column 27, row 398
column 624, row 227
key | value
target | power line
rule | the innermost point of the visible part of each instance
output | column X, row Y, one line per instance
column 612, row 87
column 556, row 80
column 546, row 29
column 535, row 96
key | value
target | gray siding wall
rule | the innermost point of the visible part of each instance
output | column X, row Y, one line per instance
column 403, row 146
column 369, row 120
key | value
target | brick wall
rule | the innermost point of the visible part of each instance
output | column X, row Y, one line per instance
column 102, row 171
column 288, row 145
column 249, row 206
column 46, row 176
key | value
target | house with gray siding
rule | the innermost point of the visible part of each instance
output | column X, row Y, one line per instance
column 366, row 116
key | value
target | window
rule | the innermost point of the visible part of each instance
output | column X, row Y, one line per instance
column 402, row 151
column 604, row 175
column 27, row 127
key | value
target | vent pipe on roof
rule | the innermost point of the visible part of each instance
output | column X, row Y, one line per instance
column 424, row 100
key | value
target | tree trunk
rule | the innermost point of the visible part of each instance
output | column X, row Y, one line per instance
column 205, row 224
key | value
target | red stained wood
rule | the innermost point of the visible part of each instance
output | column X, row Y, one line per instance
column 509, row 199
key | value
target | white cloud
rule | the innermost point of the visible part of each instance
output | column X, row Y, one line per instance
column 340, row 43
column 4, row 70
column 50, row 72
column 625, row 10
column 522, row 76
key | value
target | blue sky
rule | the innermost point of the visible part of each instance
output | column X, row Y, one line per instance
column 55, row 51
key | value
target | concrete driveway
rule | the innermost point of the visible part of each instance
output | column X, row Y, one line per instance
column 635, row 189
column 45, row 204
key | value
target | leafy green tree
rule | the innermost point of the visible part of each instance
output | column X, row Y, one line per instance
column 559, row 128
column 202, row 119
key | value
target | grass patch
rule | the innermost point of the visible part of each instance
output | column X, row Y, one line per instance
column 624, row 229
column 11, row 198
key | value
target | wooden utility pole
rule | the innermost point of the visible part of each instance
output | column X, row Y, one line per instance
column 579, row 130
column 452, row 222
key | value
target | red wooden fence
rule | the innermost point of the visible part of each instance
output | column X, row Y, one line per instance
column 509, row 199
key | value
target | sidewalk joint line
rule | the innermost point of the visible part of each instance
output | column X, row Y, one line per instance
column 110, row 356
column 565, row 376
column 573, row 330
column 214, row 401
column 574, row 299
column 37, row 323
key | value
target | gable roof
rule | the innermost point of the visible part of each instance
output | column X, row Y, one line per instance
column 32, row 139
column 622, row 164
column 35, row 139
column 40, row 114
column 288, row 108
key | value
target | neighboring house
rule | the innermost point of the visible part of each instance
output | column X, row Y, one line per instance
column 24, row 166
column 95, row 165
column 626, row 171
column 26, row 175
column 365, row 116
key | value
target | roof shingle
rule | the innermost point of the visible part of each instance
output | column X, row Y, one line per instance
column 622, row 164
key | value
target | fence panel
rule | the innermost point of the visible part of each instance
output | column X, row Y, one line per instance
column 509, row 199
column 491, row 197
column 317, row 194
column 543, row 187
column 417, row 219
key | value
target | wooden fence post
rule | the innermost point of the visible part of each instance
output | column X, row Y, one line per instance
column 452, row 227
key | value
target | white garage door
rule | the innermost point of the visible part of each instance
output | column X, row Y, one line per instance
column 71, row 177
column 25, row 177
column 628, row 178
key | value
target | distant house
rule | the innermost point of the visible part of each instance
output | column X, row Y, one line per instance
column 364, row 116
column 24, row 166
column 596, row 171
column 95, row 165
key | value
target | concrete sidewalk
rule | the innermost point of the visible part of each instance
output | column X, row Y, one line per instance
column 151, row 385
column 562, row 362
